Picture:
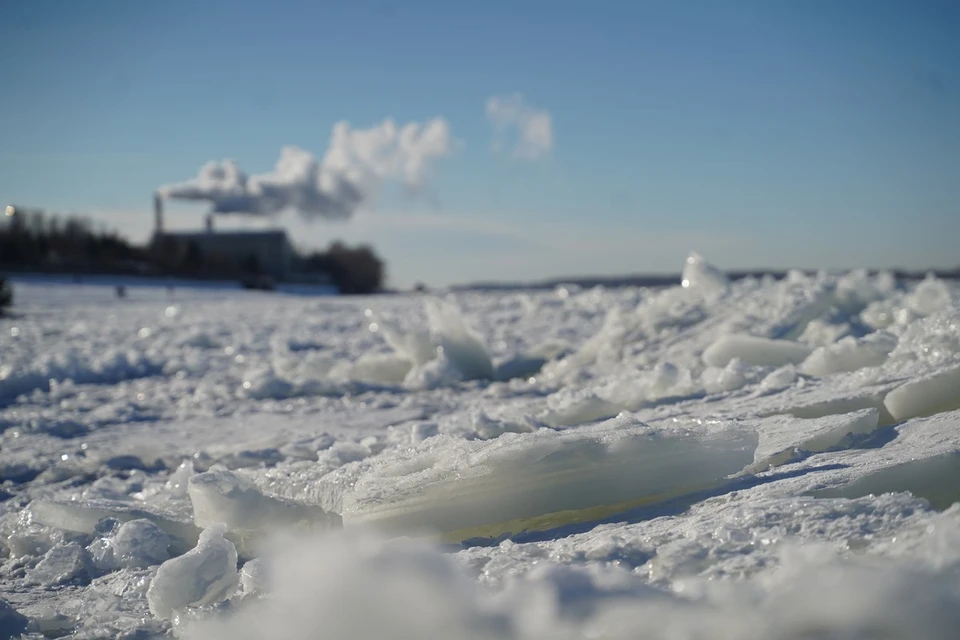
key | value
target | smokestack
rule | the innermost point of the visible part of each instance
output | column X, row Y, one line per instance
column 209, row 223
column 157, row 214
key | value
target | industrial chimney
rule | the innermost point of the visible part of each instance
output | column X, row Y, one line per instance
column 157, row 214
column 209, row 223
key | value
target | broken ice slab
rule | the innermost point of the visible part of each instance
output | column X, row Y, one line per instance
column 534, row 481
column 850, row 354
column 228, row 498
column 47, row 622
column 135, row 544
column 590, row 408
column 782, row 436
column 922, row 458
column 926, row 396
column 935, row 479
column 83, row 515
column 63, row 564
column 762, row 352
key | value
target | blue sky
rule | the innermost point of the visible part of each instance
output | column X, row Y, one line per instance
column 760, row 133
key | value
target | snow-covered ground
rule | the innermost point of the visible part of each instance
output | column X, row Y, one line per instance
column 751, row 460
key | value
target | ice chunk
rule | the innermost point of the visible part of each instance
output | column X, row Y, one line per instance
column 133, row 544
column 700, row 274
column 933, row 341
column 63, row 564
column 850, row 354
column 589, row 408
column 486, row 427
column 857, row 289
column 306, row 448
column 12, row 622
column 101, row 549
column 380, row 368
column 460, row 343
column 127, row 584
column 24, row 537
column 763, row 352
column 223, row 496
column 930, row 296
column 139, row 544
column 83, row 516
column 541, row 480
column 926, row 396
column 51, row 623
column 266, row 457
column 449, row 337
column 633, row 392
column 729, row 378
column 608, row 340
column 879, row 314
column 414, row 346
column 919, row 442
column 936, row 479
column 798, row 302
column 819, row 333
column 782, row 436
column 253, row 577
column 177, row 483
column 265, row 385
column 420, row 431
column 439, row 372
column 842, row 404
column 200, row 339
column 204, row 575
column 780, row 378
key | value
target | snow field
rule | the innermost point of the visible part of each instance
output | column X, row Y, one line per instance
column 719, row 459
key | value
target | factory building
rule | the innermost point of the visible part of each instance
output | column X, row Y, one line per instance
column 269, row 249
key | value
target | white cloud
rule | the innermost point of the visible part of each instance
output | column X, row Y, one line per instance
column 357, row 162
column 532, row 127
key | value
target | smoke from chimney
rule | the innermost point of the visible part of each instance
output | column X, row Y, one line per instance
column 356, row 164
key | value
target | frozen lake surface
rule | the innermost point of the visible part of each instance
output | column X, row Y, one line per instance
column 758, row 459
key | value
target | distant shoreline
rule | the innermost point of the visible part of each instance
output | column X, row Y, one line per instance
column 155, row 282
column 663, row 280
column 57, row 276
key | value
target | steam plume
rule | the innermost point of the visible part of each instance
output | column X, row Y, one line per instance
column 356, row 164
column 533, row 126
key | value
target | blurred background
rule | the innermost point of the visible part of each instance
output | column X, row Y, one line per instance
column 382, row 145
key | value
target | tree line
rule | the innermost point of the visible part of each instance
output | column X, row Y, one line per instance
column 37, row 240
column 50, row 243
